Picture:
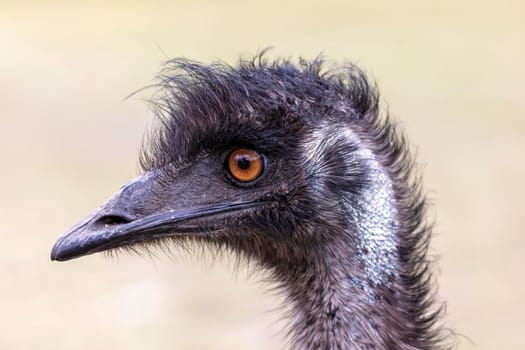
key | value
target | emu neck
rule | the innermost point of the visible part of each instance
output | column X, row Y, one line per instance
column 346, row 298
column 332, row 307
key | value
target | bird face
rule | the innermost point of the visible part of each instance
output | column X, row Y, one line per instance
column 237, row 159
column 215, row 194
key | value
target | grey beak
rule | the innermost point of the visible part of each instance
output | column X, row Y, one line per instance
column 131, row 216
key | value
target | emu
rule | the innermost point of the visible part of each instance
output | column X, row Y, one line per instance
column 291, row 165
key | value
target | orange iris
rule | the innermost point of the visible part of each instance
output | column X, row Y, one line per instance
column 245, row 164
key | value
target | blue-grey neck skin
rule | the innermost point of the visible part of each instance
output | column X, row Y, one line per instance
column 372, row 216
column 362, row 261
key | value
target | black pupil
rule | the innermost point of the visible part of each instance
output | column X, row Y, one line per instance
column 243, row 162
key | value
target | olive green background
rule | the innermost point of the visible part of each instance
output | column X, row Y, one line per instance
column 452, row 72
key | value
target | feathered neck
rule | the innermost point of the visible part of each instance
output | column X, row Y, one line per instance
column 366, row 284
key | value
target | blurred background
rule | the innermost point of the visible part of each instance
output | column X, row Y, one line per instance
column 451, row 72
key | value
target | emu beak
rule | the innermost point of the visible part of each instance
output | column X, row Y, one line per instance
column 135, row 214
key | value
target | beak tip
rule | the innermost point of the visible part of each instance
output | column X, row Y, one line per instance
column 64, row 250
column 57, row 255
column 79, row 242
column 57, row 252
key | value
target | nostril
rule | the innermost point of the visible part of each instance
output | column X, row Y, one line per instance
column 113, row 220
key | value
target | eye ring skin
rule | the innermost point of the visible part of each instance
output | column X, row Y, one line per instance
column 245, row 165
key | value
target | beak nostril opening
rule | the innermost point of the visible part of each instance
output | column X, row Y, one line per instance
column 113, row 220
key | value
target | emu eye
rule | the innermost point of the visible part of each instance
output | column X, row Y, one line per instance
column 245, row 165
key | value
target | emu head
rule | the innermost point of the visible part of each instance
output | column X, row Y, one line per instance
column 267, row 159
column 291, row 166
